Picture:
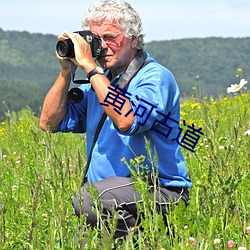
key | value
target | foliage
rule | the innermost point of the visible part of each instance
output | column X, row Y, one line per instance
column 40, row 172
column 14, row 95
column 28, row 58
column 28, row 68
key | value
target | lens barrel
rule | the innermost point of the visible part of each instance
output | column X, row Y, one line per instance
column 65, row 48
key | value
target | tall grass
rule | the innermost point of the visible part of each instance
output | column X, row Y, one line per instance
column 40, row 172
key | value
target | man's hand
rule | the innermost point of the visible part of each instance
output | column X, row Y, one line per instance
column 66, row 63
column 83, row 54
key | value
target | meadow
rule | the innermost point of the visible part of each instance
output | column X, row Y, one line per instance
column 40, row 172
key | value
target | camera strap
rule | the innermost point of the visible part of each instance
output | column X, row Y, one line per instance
column 136, row 64
column 97, row 132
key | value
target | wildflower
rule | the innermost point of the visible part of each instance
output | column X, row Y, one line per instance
column 22, row 210
column 216, row 241
column 240, row 70
column 221, row 147
column 192, row 240
column 14, row 188
column 198, row 182
column 237, row 87
column 242, row 248
column 247, row 133
column 230, row 244
column 248, row 230
column 195, row 105
column 132, row 162
column 45, row 216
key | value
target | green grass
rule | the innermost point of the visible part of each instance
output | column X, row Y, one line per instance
column 40, row 172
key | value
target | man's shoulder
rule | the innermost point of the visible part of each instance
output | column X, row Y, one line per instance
column 153, row 68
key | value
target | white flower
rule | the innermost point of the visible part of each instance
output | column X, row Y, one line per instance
column 22, row 210
column 192, row 240
column 221, row 147
column 242, row 248
column 237, row 87
column 217, row 241
column 246, row 133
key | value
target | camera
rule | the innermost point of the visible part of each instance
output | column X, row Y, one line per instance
column 65, row 48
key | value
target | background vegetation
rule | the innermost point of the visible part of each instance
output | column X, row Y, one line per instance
column 40, row 172
column 28, row 66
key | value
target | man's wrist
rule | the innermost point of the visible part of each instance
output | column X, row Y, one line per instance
column 65, row 73
column 96, row 70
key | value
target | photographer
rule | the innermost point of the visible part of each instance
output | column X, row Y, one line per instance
column 150, row 97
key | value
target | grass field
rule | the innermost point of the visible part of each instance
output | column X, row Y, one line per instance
column 40, row 172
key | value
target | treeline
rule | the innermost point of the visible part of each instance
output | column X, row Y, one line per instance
column 16, row 95
column 28, row 66
column 209, row 64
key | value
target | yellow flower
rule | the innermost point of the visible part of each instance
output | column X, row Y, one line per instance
column 138, row 160
column 195, row 105
column 240, row 70
column 132, row 162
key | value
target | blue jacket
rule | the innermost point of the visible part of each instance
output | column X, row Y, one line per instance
column 154, row 97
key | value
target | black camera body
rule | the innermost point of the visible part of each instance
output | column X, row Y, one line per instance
column 65, row 48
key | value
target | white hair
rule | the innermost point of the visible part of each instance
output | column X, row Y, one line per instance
column 120, row 13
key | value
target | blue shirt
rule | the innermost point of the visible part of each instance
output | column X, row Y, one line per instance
column 155, row 102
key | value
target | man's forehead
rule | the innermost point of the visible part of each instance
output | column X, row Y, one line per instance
column 104, row 27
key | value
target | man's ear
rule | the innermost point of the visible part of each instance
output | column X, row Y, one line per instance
column 134, row 42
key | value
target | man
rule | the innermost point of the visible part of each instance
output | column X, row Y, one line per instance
column 150, row 111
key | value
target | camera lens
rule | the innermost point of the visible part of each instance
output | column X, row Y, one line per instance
column 65, row 48
column 75, row 95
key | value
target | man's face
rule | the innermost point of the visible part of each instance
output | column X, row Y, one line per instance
column 118, row 50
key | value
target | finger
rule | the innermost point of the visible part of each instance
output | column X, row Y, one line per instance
column 61, row 37
column 69, row 60
column 75, row 37
column 70, row 35
column 66, row 33
column 59, row 57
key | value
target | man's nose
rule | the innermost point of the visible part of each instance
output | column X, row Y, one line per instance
column 104, row 44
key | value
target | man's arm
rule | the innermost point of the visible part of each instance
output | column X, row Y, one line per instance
column 55, row 103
